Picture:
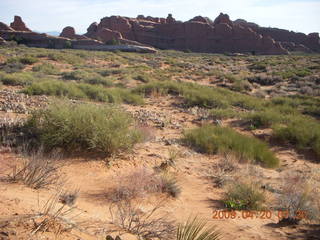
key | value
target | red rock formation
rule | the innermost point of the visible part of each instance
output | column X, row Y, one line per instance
column 199, row 34
column 69, row 32
column 92, row 29
column 107, row 35
column 223, row 18
column 201, row 19
column 2, row 41
column 19, row 25
column 117, row 23
column 5, row 27
column 69, row 39
column 299, row 41
column 170, row 19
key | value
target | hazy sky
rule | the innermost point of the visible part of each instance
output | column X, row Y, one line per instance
column 48, row 15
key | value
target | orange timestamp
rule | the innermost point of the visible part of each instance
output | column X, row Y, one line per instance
column 261, row 214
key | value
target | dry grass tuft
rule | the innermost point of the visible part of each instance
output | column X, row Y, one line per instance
column 145, row 223
column 36, row 170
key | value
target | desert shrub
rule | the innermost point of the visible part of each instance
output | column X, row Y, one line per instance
column 265, row 118
column 82, row 128
column 226, row 113
column 170, row 185
column 211, row 139
column 110, row 72
column 161, row 87
column 146, row 223
column 297, row 199
column 304, row 133
column 46, row 68
column 142, row 78
column 302, row 72
column 75, row 75
column 66, row 56
column 83, row 91
column 36, row 170
column 223, row 171
column 244, row 196
column 135, row 184
column 305, row 104
column 98, row 80
column 68, row 44
column 55, row 88
column 197, row 229
column 258, row 66
column 12, row 67
column 202, row 96
column 27, row 60
column 15, row 79
column 111, row 95
column 113, row 41
column 294, row 73
column 265, row 80
column 141, row 182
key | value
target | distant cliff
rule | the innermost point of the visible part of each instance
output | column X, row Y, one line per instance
column 200, row 34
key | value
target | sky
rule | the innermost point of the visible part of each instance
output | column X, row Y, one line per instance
column 54, row 15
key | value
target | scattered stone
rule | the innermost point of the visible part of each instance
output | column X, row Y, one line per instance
column 144, row 116
column 11, row 101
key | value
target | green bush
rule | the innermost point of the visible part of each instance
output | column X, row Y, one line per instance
column 99, row 80
column 82, row 128
column 210, row 139
column 55, row 88
column 15, row 79
column 142, row 78
column 46, row 68
column 12, row 67
column 258, row 66
column 244, row 196
column 65, row 56
column 265, row 118
column 304, row 133
column 202, row 96
column 75, row 75
column 27, row 60
column 224, row 113
column 83, row 91
column 197, row 229
column 305, row 104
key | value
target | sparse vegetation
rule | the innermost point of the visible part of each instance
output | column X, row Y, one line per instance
column 82, row 128
column 46, row 68
column 146, row 224
column 223, row 171
column 142, row 182
column 244, row 196
column 83, row 91
column 197, row 229
column 298, row 199
column 170, row 185
column 211, row 140
column 27, row 60
column 16, row 79
column 36, row 170
column 303, row 133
